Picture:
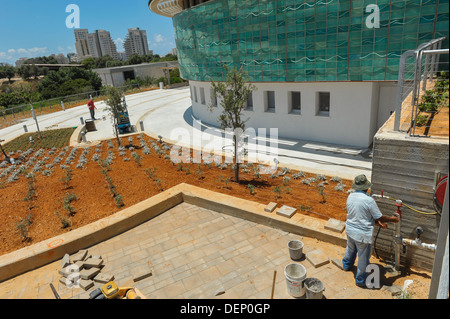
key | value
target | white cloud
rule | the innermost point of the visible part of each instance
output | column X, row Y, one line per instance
column 12, row 55
column 159, row 38
column 38, row 50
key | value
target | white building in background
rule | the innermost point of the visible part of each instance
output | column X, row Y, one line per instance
column 20, row 62
column 136, row 43
column 61, row 58
column 122, row 56
column 73, row 57
column 96, row 44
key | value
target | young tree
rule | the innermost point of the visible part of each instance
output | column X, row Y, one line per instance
column 114, row 103
column 234, row 94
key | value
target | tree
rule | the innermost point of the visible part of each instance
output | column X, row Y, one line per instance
column 114, row 103
column 7, row 72
column 234, row 94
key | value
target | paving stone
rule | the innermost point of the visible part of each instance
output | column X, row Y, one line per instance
column 89, row 273
column 80, row 264
column 103, row 278
column 81, row 255
column 93, row 262
column 69, row 283
column 335, row 225
column 286, row 211
column 65, row 261
column 141, row 272
column 338, row 263
column 317, row 258
column 68, row 270
column 270, row 207
column 394, row 290
column 85, row 284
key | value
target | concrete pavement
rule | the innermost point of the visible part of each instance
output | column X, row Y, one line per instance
column 168, row 113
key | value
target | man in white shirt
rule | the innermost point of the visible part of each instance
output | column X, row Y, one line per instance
column 362, row 214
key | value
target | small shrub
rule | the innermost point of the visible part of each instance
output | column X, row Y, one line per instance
column 421, row 120
column 119, row 201
column 277, row 190
column 64, row 220
column 23, row 226
column 286, row 180
column 336, row 179
column 251, row 188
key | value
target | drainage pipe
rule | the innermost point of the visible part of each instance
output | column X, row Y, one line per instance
column 418, row 243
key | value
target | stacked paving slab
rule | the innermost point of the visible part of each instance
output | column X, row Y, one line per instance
column 83, row 270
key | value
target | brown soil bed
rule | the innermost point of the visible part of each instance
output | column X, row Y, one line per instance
column 134, row 183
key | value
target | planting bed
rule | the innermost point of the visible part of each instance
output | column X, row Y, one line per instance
column 72, row 187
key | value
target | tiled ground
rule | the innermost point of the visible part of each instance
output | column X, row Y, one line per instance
column 197, row 253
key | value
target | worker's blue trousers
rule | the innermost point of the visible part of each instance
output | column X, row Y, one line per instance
column 363, row 251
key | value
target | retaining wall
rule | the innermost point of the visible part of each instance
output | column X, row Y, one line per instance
column 404, row 168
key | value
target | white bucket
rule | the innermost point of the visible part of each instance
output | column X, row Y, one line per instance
column 295, row 275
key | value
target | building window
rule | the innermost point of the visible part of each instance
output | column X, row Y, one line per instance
column 213, row 97
column 295, row 102
column 323, row 107
column 249, row 106
column 270, row 101
column 202, row 95
column 195, row 95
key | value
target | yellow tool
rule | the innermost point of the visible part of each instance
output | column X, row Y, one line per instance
column 112, row 291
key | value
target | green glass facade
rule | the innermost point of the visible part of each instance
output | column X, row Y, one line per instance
column 299, row 41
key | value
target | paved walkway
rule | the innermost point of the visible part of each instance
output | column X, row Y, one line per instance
column 169, row 112
column 197, row 253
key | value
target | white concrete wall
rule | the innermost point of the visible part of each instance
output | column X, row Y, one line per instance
column 352, row 120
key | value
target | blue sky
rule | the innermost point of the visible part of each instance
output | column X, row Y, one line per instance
column 30, row 28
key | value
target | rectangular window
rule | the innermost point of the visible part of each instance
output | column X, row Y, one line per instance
column 250, row 102
column 213, row 97
column 202, row 95
column 323, row 106
column 270, row 101
column 296, row 104
column 195, row 94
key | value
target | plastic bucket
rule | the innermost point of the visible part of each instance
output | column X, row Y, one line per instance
column 314, row 288
column 295, row 249
column 295, row 275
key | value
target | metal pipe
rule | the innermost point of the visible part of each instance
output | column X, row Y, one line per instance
column 398, row 241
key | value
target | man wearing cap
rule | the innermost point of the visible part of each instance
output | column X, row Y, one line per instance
column 362, row 214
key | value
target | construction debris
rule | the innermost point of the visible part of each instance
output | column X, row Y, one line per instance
column 82, row 270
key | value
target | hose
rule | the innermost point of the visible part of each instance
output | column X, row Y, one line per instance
column 413, row 209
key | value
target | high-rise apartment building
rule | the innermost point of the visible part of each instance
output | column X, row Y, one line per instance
column 136, row 42
column 95, row 44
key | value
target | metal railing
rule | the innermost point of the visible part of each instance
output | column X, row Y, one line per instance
column 59, row 103
column 423, row 91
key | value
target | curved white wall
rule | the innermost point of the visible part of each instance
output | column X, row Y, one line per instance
column 352, row 120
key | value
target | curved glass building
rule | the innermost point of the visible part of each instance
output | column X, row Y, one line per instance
column 325, row 70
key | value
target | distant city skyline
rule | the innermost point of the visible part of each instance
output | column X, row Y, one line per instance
column 31, row 29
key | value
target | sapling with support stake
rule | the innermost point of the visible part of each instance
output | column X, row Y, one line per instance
column 234, row 95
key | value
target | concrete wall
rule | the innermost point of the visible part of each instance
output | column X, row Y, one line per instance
column 355, row 105
column 404, row 168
